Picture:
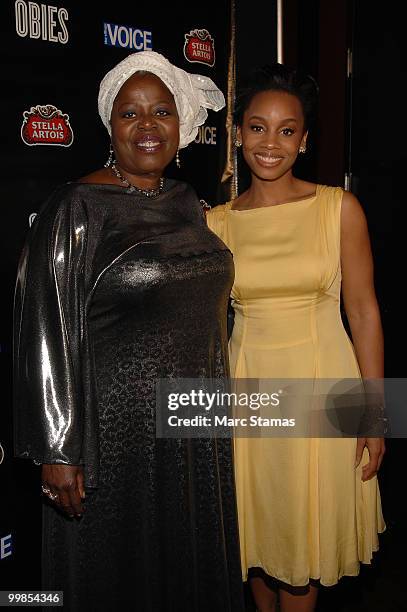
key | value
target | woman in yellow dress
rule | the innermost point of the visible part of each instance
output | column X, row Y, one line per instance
column 309, row 508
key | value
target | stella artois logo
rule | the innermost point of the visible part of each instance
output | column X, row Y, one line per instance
column 46, row 125
column 199, row 47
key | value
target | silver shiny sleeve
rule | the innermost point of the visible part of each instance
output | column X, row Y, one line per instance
column 48, row 324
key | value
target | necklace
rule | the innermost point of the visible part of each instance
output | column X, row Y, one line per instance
column 149, row 193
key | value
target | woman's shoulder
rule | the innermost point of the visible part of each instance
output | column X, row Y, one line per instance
column 63, row 205
column 330, row 191
column 215, row 217
column 61, row 196
column 66, row 194
column 330, row 199
column 219, row 209
column 305, row 189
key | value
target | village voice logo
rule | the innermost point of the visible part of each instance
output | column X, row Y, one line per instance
column 206, row 135
column 199, row 47
column 46, row 125
column 127, row 37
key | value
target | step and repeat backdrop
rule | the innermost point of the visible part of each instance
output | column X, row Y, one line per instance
column 54, row 56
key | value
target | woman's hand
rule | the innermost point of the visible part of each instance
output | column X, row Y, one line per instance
column 64, row 485
column 376, row 449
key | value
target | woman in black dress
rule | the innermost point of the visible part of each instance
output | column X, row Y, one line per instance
column 121, row 284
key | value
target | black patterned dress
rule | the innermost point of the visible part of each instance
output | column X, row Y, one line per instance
column 116, row 291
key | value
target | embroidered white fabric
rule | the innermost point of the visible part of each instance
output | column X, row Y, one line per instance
column 193, row 93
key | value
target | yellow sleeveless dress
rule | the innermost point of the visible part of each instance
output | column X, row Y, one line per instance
column 303, row 510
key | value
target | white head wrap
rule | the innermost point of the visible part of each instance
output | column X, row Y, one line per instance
column 193, row 93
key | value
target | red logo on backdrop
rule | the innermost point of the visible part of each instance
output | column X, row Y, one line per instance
column 46, row 125
column 199, row 47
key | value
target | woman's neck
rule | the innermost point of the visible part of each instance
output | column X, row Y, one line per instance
column 269, row 193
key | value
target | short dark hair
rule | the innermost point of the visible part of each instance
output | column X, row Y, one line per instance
column 277, row 77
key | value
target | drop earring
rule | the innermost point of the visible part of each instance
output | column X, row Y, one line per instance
column 238, row 143
column 303, row 149
column 177, row 159
column 111, row 160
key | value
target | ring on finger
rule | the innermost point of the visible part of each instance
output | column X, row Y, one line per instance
column 47, row 491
